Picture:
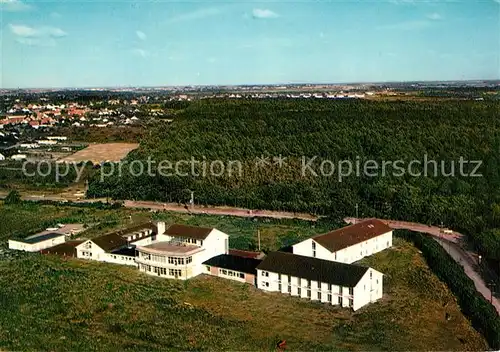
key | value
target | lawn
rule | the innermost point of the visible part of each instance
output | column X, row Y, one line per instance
column 52, row 304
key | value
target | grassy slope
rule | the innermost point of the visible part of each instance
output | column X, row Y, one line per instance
column 48, row 303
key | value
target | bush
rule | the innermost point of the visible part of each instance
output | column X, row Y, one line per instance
column 13, row 197
column 475, row 307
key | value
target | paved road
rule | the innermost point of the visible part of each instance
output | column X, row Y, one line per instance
column 453, row 245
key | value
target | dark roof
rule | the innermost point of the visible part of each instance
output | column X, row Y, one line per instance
column 234, row 262
column 137, row 228
column 67, row 249
column 110, row 242
column 335, row 273
column 129, row 251
column 352, row 234
column 199, row 233
column 246, row 254
column 41, row 238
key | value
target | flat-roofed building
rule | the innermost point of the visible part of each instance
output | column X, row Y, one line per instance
column 183, row 251
column 233, row 267
column 35, row 244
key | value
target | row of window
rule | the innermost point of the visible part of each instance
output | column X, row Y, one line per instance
column 231, row 273
column 161, row 271
column 191, row 240
column 164, row 259
column 121, row 257
column 87, row 254
column 309, row 282
column 329, row 297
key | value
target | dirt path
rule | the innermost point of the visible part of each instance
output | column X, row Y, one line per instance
column 212, row 210
column 453, row 245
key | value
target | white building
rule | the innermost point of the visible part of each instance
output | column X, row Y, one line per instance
column 57, row 138
column 111, row 248
column 35, row 244
column 320, row 280
column 181, row 251
column 120, row 247
column 348, row 244
column 18, row 157
column 2, row 157
column 46, row 142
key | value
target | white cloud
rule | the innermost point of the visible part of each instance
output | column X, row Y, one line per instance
column 41, row 36
column 195, row 15
column 14, row 5
column 264, row 13
column 141, row 35
column 141, row 52
column 23, row 31
column 435, row 16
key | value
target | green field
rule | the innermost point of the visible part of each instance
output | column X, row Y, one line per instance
column 52, row 304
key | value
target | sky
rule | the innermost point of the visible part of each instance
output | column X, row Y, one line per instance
column 98, row 43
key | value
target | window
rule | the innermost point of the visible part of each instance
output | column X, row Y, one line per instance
column 201, row 243
column 308, row 283
column 265, row 283
column 371, row 274
column 279, row 287
column 308, row 293
column 208, row 268
column 299, row 291
column 279, row 277
column 329, row 297
column 335, row 256
column 314, row 248
column 174, row 272
column 319, row 296
column 364, row 287
column 319, row 284
column 340, row 300
column 189, row 260
column 289, row 279
column 351, row 291
column 350, row 302
column 265, row 273
column 242, row 276
column 289, row 288
column 330, row 287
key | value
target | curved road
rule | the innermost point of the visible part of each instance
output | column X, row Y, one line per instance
column 452, row 244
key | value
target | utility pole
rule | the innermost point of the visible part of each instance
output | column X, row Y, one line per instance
column 491, row 286
column 258, row 238
column 356, row 219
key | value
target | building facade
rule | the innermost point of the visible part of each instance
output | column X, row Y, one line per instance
column 181, row 251
column 345, row 285
column 35, row 244
column 233, row 267
column 348, row 244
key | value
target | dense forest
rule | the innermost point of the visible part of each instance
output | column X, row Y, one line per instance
column 298, row 130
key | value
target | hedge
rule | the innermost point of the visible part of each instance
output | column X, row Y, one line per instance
column 476, row 308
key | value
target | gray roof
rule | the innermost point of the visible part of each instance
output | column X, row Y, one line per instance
column 335, row 273
column 41, row 238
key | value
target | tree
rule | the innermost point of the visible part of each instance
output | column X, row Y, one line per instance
column 13, row 197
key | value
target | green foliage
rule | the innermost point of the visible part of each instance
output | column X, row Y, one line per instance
column 482, row 314
column 13, row 197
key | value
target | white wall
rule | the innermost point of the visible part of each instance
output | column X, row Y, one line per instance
column 118, row 259
column 365, row 292
column 89, row 250
column 35, row 247
column 215, row 244
column 347, row 255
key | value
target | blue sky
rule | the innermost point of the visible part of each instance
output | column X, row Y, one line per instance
column 69, row 43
